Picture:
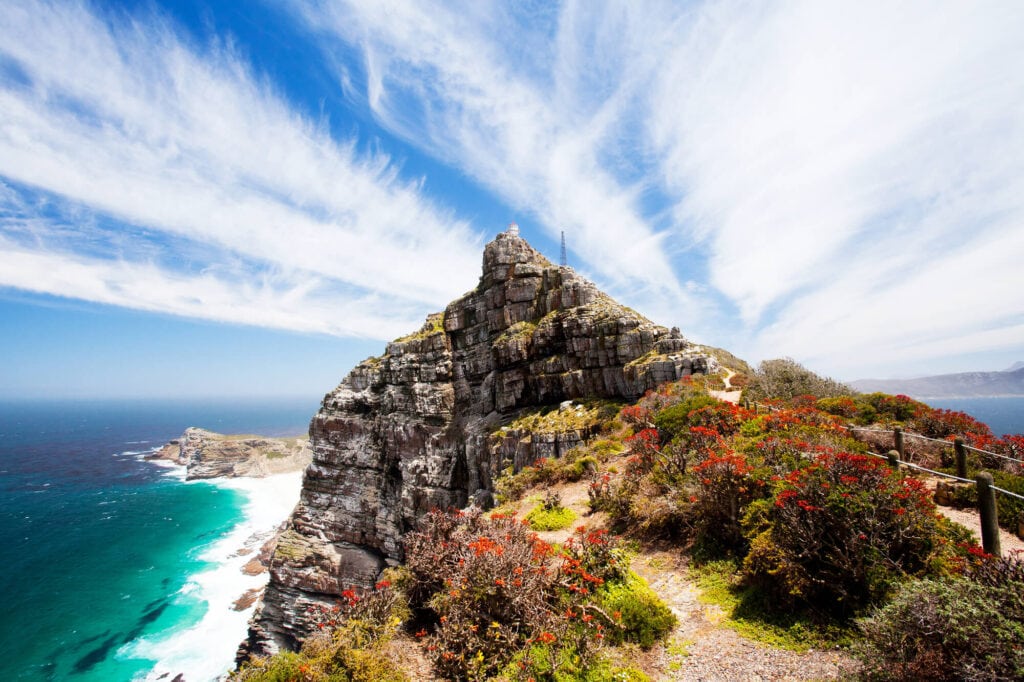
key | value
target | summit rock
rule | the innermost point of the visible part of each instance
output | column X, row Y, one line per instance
column 419, row 427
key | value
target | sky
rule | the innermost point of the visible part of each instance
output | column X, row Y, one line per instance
column 203, row 198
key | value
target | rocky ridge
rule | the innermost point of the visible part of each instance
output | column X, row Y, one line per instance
column 206, row 454
column 420, row 427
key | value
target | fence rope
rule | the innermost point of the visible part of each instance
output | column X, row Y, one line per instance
column 1007, row 492
column 995, row 454
column 911, row 434
column 934, row 440
column 938, row 473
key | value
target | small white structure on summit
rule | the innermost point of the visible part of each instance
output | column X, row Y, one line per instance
column 513, row 230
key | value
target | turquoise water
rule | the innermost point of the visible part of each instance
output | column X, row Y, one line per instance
column 99, row 544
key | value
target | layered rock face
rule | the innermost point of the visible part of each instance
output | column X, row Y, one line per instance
column 418, row 428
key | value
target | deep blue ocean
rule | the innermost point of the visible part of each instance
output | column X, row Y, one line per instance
column 97, row 543
column 1003, row 415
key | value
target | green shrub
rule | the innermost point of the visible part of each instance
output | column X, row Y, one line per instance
column 643, row 618
column 542, row 517
column 947, row 631
column 784, row 379
column 675, row 420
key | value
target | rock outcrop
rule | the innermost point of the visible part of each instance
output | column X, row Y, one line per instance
column 420, row 427
column 206, row 454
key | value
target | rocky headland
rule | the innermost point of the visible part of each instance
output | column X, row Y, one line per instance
column 206, row 454
column 420, row 426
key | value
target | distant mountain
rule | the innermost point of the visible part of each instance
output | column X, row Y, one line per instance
column 964, row 385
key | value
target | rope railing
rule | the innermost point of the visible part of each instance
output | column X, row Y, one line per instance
column 911, row 434
column 941, row 473
column 995, row 454
column 1006, row 492
column 943, row 441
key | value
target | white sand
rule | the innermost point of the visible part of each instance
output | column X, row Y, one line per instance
column 206, row 651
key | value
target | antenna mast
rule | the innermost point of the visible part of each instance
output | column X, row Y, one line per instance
column 563, row 261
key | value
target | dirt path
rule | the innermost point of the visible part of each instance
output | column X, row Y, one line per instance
column 703, row 649
column 969, row 519
column 728, row 395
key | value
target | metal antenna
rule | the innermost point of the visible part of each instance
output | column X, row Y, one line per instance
column 563, row 261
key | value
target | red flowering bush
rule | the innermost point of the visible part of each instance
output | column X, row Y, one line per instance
column 637, row 415
column 675, row 419
column 723, row 489
column 840, row 531
column 502, row 596
column 939, row 423
column 723, row 417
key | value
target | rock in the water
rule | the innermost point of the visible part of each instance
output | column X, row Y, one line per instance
column 417, row 428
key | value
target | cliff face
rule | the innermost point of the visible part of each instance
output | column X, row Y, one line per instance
column 418, row 427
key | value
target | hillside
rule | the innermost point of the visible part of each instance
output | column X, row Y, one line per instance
column 540, row 484
column 1009, row 382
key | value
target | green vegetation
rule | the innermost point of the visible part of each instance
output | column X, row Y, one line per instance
column 433, row 325
column 550, row 515
column 785, row 378
column 750, row 613
column 964, row 628
column 644, row 618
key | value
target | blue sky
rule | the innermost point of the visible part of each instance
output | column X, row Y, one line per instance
column 223, row 198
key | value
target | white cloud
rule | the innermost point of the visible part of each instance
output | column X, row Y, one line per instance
column 857, row 172
column 470, row 83
column 267, row 301
column 126, row 120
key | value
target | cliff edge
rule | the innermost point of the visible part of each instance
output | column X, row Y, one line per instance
column 419, row 427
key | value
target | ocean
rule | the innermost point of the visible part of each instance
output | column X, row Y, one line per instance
column 114, row 568
column 1003, row 415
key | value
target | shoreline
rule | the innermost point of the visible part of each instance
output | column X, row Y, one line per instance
column 205, row 650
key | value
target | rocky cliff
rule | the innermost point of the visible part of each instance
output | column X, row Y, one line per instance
column 420, row 426
column 206, row 454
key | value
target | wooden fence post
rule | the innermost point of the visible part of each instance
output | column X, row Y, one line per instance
column 897, row 437
column 989, row 514
column 960, row 457
column 894, row 459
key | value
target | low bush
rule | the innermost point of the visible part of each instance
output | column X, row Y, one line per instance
column 502, row 597
column 840, row 532
column 642, row 617
column 952, row 630
column 784, row 378
column 550, row 515
column 674, row 420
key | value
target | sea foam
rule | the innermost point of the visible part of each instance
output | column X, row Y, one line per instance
column 206, row 649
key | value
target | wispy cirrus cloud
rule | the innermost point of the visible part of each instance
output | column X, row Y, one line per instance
column 857, row 172
column 122, row 119
column 823, row 168
column 509, row 95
